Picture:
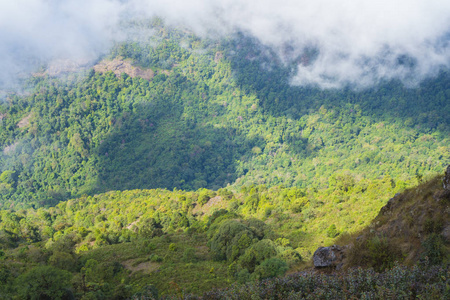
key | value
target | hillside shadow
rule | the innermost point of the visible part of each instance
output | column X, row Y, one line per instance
column 259, row 70
column 155, row 148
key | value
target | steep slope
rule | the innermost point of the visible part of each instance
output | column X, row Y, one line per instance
column 413, row 226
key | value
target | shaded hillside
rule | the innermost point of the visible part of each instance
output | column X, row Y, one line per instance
column 413, row 227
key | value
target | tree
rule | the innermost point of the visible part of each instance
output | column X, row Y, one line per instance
column 257, row 253
column 222, row 239
column 44, row 282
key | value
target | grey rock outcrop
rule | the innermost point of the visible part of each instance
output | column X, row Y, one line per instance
column 328, row 257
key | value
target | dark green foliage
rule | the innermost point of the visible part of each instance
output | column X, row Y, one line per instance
column 62, row 260
column 202, row 122
column 90, row 270
column 150, row 292
column 149, row 228
column 189, row 255
column 218, row 216
column 243, row 276
column 44, row 282
column 121, row 292
column 239, row 244
column 435, row 250
column 398, row 283
column 259, row 228
column 231, row 239
column 222, row 242
column 204, row 196
column 299, row 155
column 6, row 279
column 433, row 226
column 257, row 253
column 155, row 258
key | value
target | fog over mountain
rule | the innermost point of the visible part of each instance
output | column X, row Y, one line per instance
column 356, row 42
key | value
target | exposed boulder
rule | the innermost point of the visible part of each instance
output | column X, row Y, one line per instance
column 328, row 257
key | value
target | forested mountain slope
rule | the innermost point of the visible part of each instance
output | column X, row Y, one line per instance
column 179, row 164
column 215, row 113
column 144, row 243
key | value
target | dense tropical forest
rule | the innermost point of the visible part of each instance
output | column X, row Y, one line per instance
column 211, row 170
column 216, row 113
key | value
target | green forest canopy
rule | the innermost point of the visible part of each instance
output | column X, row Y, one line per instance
column 217, row 113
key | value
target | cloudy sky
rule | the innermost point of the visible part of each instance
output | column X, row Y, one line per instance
column 360, row 42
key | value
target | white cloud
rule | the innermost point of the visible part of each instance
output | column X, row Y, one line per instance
column 35, row 31
column 359, row 42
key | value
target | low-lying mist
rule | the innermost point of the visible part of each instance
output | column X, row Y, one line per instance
column 357, row 42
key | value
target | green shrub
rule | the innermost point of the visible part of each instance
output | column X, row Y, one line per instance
column 433, row 226
column 148, row 292
column 173, row 247
column 434, row 249
column 145, row 246
column 257, row 253
column 268, row 211
column 149, row 228
column 155, row 258
column 272, row 267
column 222, row 239
column 258, row 227
column 239, row 244
column 62, row 260
column 290, row 256
column 383, row 253
column 243, row 276
column 374, row 251
column 204, row 197
column 189, row 255
column 284, row 242
column 233, row 205
column 332, row 232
